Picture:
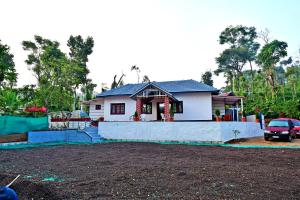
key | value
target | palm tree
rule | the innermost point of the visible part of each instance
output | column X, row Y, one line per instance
column 138, row 71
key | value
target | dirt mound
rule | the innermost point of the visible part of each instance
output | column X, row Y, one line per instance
column 29, row 190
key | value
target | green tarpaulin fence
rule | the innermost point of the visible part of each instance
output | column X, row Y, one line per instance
column 15, row 125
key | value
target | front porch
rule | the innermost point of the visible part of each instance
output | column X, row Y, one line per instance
column 155, row 104
column 231, row 107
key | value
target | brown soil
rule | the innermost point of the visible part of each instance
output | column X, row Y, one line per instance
column 152, row 171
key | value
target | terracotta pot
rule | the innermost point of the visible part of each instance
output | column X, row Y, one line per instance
column 136, row 119
column 218, row 119
column 171, row 119
column 244, row 119
column 257, row 121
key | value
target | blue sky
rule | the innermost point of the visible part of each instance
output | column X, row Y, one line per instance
column 167, row 39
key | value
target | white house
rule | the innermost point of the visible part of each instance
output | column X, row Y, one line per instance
column 190, row 100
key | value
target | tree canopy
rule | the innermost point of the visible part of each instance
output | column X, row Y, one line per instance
column 8, row 75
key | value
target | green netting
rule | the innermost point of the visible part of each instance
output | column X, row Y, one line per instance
column 53, row 144
column 16, row 125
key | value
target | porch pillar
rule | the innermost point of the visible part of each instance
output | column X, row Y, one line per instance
column 139, row 106
column 166, row 109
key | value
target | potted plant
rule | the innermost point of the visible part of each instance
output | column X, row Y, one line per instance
column 171, row 119
column 257, row 118
column 218, row 113
column 136, row 117
column 244, row 117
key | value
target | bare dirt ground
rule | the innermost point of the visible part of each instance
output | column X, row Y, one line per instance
column 275, row 142
column 152, row 171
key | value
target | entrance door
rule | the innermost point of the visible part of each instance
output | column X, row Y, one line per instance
column 160, row 109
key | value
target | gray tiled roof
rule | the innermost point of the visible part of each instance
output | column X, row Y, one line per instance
column 170, row 86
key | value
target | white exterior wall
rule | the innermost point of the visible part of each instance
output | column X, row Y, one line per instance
column 196, row 106
column 179, row 131
column 130, row 106
column 96, row 114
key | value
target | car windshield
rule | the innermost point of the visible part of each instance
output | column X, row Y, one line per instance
column 280, row 123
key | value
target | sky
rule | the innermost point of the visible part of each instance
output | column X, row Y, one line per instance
column 166, row 39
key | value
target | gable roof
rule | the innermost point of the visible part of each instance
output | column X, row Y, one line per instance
column 182, row 86
column 153, row 84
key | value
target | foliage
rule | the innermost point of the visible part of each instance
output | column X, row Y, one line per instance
column 268, row 57
column 9, row 101
column 118, row 83
column 217, row 112
column 8, row 75
column 80, row 49
column 242, row 49
column 146, row 79
column 57, row 75
column 135, row 114
column 206, row 78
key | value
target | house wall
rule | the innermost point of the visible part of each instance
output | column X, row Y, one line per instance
column 96, row 114
column 130, row 107
column 179, row 131
column 196, row 106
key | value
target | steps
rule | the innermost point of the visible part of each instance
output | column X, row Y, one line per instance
column 93, row 133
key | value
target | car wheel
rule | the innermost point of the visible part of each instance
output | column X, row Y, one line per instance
column 266, row 138
column 290, row 138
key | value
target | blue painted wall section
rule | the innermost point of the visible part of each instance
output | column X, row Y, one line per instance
column 63, row 136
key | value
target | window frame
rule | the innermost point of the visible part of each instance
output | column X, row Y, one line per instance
column 176, row 104
column 117, row 113
column 97, row 106
column 147, row 104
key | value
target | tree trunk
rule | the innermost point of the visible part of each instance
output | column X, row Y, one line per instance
column 252, row 75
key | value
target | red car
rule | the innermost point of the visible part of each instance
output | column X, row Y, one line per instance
column 297, row 127
column 282, row 128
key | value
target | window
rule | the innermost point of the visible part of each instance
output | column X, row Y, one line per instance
column 178, row 107
column 147, row 108
column 98, row 107
column 117, row 108
column 279, row 123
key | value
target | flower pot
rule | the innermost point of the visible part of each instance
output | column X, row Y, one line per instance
column 218, row 119
column 171, row 119
column 244, row 119
column 136, row 119
column 257, row 121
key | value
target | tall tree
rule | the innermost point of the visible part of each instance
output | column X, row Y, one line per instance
column 117, row 83
column 57, row 75
column 80, row 49
column 269, row 56
column 242, row 38
column 264, row 35
column 36, row 49
column 231, row 62
column 7, row 66
column 206, row 78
